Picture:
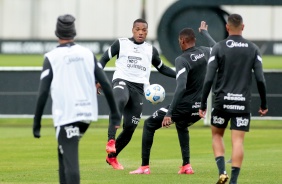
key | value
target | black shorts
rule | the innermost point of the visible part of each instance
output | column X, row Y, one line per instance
column 188, row 118
column 239, row 121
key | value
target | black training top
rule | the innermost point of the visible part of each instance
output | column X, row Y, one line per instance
column 190, row 74
column 234, row 59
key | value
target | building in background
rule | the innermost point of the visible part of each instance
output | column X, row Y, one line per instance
column 109, row 19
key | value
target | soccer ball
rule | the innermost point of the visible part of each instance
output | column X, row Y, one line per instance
column 155, row 93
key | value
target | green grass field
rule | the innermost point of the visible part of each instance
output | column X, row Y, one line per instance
column 24, row 159
column 269, row 62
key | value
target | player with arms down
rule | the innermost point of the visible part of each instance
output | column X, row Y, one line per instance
column 70, row 71
column 183, row 110
column 233, row 59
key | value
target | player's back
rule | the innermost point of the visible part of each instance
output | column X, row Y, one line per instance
column 236, row 59
column 195, row 62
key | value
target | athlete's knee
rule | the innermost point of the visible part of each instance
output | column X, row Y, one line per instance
column 151, row 125
column 181, row 126
column 129, row 127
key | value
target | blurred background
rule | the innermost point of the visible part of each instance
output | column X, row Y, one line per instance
column 27, row 32
column 104, row 21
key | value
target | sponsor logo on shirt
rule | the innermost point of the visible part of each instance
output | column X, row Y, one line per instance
column 132, row 63
column 232, row 43
column 85, row 114
column 195, row 57
column 196, row 105
column 72, row 131
column 242, row 122
column 218, row 120
column 135, row 49
column 235, row 97
column 83, row 103
column 195, row 114
column 73, row 59
column 234, row 107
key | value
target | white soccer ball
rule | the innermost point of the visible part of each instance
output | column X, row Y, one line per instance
column 155, row 93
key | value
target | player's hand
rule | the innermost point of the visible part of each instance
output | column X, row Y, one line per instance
column 166, row 122
column 202, row 113
column 203, row 26
column 99, row 88
column 36, row 129
column 262, row 112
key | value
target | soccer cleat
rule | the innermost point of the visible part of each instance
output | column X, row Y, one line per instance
column 223, row 178
column 111, row 146
column 114, row 163
column 141, row 170
column 186, row 169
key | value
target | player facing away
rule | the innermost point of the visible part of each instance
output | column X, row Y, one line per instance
column 133, row 68
column 183, row 110
column 233, row 59
column 70, row 71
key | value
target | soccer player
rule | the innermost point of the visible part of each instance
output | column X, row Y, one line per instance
column 70, row 71
column 133, row 67
column 233, row 59
column 183, row 110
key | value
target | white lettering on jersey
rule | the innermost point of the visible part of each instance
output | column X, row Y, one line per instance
column 242, row 122
column 155, row 114
column 135, row 120
column 234, row 107
column 195, row 114
column 194, row 57
column 235, row 97
column 44, row 73
column 196, row 105
column 180, row 72
column 218, row 120
column 72, row 131
column 232, row 43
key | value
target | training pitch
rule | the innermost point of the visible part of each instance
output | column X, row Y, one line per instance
column 26, row 160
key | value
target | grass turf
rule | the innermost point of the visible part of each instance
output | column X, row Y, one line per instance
column 25, row 159
column 269, row 62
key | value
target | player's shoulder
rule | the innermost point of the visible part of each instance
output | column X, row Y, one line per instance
column 149, row 44
column 251, row 44
column 82, row 48
column 123, row 40
column 181, row 58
